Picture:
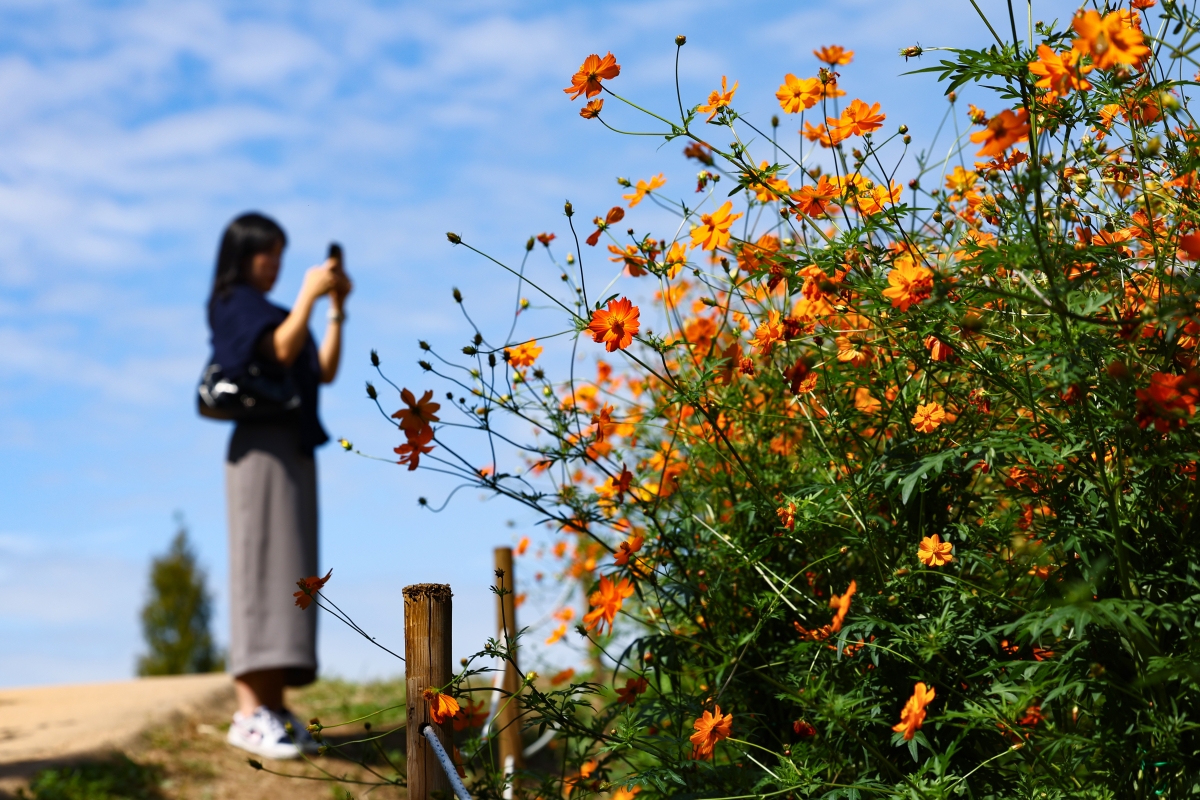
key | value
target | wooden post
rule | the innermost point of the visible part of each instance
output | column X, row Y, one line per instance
column 506, row 625
column 427, row 664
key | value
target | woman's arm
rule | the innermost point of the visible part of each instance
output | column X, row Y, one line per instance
column 330, row 354
column 289, row 338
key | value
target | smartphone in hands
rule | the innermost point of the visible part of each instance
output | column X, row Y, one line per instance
column 335, row 252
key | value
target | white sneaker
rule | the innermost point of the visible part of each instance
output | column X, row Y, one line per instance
column 263, row 734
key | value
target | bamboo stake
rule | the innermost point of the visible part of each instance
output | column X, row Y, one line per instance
column 507, row 723
column 427, row 615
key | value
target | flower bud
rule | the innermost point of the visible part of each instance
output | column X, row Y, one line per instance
column 774, row 120
column 421, row 501
column 453, row 237
column 529, row 244
column 624, row 182
column 491, row 359
column 371, row 393
column 424, row 345
column 903, row 129
column 680, row 40
column 425, row 365
column 570, row 258
column 907, row 140
column 953, row 96
column 457, row 295
column 568, row 209
column 345, row 443
column 469, row 351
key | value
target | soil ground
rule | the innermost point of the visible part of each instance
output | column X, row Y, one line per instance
column 154, row 740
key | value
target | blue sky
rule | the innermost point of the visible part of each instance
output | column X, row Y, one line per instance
column 131, row 132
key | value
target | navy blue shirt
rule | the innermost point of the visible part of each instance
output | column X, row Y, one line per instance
column 238, row 322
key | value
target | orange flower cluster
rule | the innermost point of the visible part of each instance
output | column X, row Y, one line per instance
column 416, row 421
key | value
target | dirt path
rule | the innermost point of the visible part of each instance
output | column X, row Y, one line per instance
column 164, row 739
column 55, row 723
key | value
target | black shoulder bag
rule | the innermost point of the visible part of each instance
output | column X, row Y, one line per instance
column 265, row 390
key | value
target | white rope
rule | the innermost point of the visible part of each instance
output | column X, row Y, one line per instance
column 541, row 742
column 456, row 783
column 509, row 765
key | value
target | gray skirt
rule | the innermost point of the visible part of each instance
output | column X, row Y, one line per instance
column 271, row 489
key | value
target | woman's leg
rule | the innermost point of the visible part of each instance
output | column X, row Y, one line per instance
column 261, row 688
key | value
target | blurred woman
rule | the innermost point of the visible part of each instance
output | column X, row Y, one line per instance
column 270, row 474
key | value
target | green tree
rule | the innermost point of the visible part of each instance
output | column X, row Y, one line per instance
column 175, row 619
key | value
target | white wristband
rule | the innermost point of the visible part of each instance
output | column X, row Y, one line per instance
column 336, row 316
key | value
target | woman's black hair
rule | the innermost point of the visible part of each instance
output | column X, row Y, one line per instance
column 247, row 236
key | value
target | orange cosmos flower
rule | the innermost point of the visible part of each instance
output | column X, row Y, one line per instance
column 834, row 55
column 1168, row 402
column 522, row 546
column 797, row 94
column 768, row 333
column 419, row 414
column 417, row 444
column 718, row 100
column 595, row 69
column 928, row 417
column 523, row 355
column 592, row 109
column 815, row 201
column 606, row 602
column 710, row 728
column 933, row 552
column 842, row 604
column 472, row 716
column 603, row 422
column 857, row 119
column 827, row 137
column 642, row 188
column 675, row 259
column 627, row 549
column 1060, row 72
column 864, row 402
column 557, row 634
column 713, row 231
column 546, row 238
column 442, row 707
column 633, row 687
column 913, row 713
column 1110, row 40
column 908, row 284
column 1002, row 132
column 787, row 516
column 309, row 587
column 852, row 349
column 616, row 326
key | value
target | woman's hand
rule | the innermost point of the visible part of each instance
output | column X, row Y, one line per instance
column 339, row 293
column 321, row 280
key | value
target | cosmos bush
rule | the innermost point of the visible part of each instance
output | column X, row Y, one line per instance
column 896, row 499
